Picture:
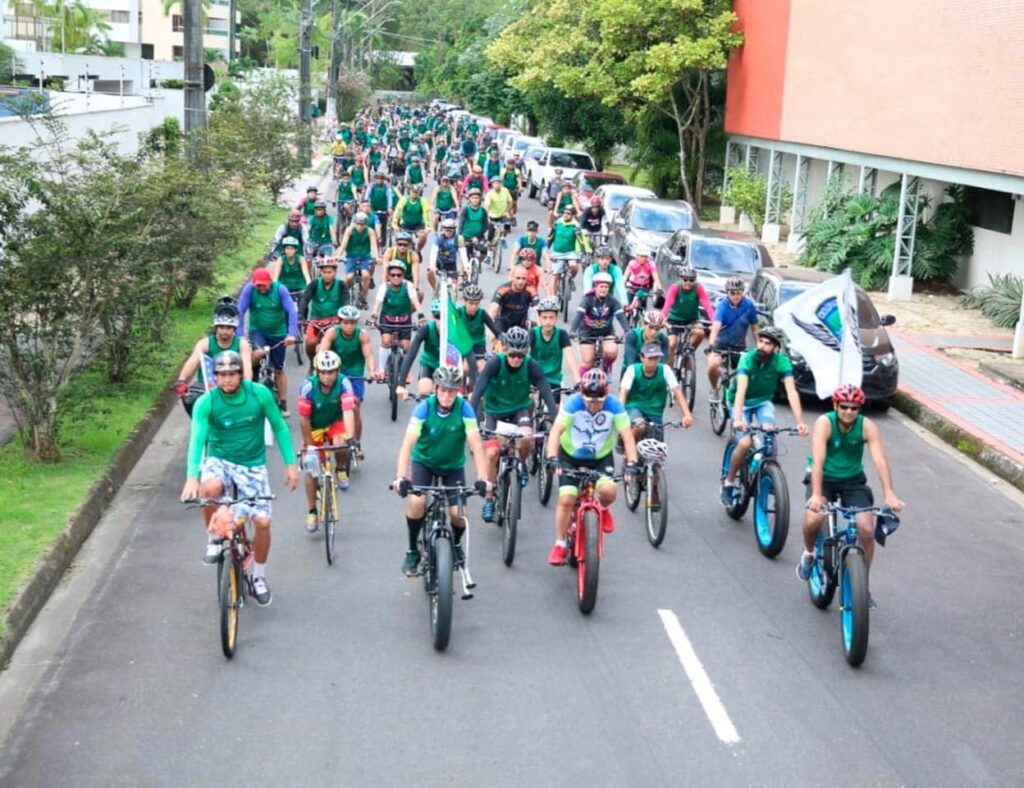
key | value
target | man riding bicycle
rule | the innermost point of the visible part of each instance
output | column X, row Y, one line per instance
column 273, row 323
column 446, row 254
column 474, row 225
column 565, row 244
column 291, row 269
column 346, row 199
column 510, row 305
column 323, row 235
column 683, row 303
column 412, row 214
column 498, row 205
column 478, row 322
column 593, row 322
column 644, row 392
column 223, row 337
column 292, row 228
column 320, row 302
column 734, row 315
column 393, row 308
column 359, row 245
column 403, row 254
column 427, row 337
column 551, row 347
column 446, row 201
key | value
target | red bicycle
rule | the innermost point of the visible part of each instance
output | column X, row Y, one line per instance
column 585, row 537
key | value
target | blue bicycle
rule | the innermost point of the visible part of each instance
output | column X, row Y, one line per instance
column 760, row 478
column 840, row 563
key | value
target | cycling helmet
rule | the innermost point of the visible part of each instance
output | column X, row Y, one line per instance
column 435, row 306
column 652, row 450
column 448, row 378
column 227, row 361
column 772, row 333
column 604, row 250
column 359, row 218
column 602, row 277
column 734, row 283
column 326, row 361
column 527, row 255
column 289, row 241
column 473, row 191
column 224, row 301
column 396, row 265
column 320, row 204
column 549, row 304
column 517, row 340
column 348, row 312
column 594, row 383
column 473, row 293
column 294, row 215
column 848, row 393
column 328, row 262
column 595, row 201
column 448, row 224
column 688, row 273
column 654, row 318
column 312, row 188
column 226, row 316
column 404, row 235
column 415, row 187
column 642, row 251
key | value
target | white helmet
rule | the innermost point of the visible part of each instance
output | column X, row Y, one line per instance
column 326, row 361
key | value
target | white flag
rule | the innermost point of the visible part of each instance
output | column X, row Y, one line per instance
column 822, row 326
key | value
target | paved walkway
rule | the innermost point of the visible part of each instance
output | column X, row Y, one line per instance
column 996, row 342
column 989, row 410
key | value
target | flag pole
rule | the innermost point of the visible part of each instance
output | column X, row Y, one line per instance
column 443, row 349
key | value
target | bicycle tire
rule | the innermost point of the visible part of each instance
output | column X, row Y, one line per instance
column 633, row 491
column 563, row 293
column 656, row 506
column 230, row 605
column 855, row 615
column 298, row 352
column 510, row 526
column 545, row 481
column 719, row 413
column 820, row 587
column 394, row 367
column 687, row 376
column 771, row 510
column 330, row 523
column 588, row 565
column 742, row 500
column 441, row 596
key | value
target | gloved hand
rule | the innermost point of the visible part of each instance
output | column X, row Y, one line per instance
column 401, row 486
column 180, row 388
column 481, row 486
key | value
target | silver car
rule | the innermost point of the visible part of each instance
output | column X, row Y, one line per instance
column 648, row 224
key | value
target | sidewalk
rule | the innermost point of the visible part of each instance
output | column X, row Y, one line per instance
column 978, row 415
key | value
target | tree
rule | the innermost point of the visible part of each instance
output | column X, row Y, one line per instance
column 76, row 26
column 9, row 64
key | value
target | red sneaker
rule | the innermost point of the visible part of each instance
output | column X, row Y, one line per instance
column 607, row 522
column 558, row 555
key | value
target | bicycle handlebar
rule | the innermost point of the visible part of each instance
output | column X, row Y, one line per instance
column 773, row 430
column 251, row 499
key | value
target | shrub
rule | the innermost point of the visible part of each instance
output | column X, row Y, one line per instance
column 999, row 301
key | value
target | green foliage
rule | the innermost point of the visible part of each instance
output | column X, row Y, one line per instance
column 239, row 66
column 596, row 126
column 9, row 64
column 76, row 27
column 999, row 301
column 746, row 191
column 164, row 139
column 227, row 92
column 173, row 84
column 353, row 90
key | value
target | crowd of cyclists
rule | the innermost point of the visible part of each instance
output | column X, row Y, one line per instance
column 375, row 214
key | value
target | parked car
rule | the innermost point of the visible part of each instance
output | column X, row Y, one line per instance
column 530, row 157
column 772, row 287
column 569, row 162
column 716, row 254
column 613, row 196
column 501, row 135
column 519, row 143
column 586, row 182
column 648, row 223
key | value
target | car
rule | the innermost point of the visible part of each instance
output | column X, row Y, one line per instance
column 542, row 171
column 715, row 254
column 648, row 223
column 586, row 182
column 772, row 287
column 502, row 134
column 613, row 196
column 519, row 143
column 530, row 157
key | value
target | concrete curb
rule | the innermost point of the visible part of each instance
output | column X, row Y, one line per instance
column 51, row 567
column 975, row 448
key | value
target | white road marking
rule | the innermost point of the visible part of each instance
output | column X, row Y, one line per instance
column 706, row 694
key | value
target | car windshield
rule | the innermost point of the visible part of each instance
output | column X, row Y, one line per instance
column 524, row 144
column 867, row 315
column 661, row 219
column 576, row 161
column 722, row 258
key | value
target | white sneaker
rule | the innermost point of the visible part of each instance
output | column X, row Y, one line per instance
column 212, row 554
column 263, row 596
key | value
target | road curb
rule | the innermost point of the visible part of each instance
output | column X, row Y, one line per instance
column 974, row 447
column 50, row 569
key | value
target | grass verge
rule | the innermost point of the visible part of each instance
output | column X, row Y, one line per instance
column 633, row 177
column 36, row 499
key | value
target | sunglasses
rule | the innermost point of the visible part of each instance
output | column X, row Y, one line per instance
column 396, row 275
column 593, row 400
column 849, row 407
column 516, row 355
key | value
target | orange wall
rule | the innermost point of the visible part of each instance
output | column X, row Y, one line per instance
column 931, row 80
column 753, row 103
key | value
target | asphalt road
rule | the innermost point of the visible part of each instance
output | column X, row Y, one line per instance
column 122, row 682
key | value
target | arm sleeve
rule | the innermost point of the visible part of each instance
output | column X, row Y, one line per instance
column 198, row 435
column 671, row 381
column 277, row 424
column 629, row 351
column 540, row 382
column 243, row 305
column 620, row 286
column 620, row 316
column 482, row 380
column 289, row 308
column 705, row 302
column 410, row 357
column 489, row 321
column 670, row 299
column 306, row 297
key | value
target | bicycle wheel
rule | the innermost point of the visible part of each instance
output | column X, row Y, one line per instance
column 657, row 505
column 441, row 594
column 230, row 603
column 854, row 614
column 298, row 352
column 742, row 500
column 820, row 587
column 545, row 480
column 563, row 293
column 510, row 525
column 687, row 375
column 588, row 562
column 633, row 490
column 394, row 367
column 330, row 519
column 771, row 510
column 719, row 412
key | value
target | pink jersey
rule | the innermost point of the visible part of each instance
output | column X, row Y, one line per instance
column 639, row 274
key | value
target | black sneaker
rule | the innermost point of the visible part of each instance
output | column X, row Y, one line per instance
column 262, row 591
column 284, row 408
column 411, row 566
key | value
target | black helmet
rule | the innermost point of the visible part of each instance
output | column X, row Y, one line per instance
column 226, row 301
column 517, row 340
column 226, row 316
column 448, row 378
column 473, row 293
column 227, row 361
column 772, row 333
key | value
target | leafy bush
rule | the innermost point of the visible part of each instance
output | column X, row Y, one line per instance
column 173, row 84
column 353, row 89
column 746, row 191
column 999, row 301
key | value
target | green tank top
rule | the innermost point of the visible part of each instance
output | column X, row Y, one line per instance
column 564, row 201
column 325, row 302
column 212, row 349
column 358, row 242
column 291, row 274
column 548, row 353
column 474, row 324
column 648, row 394
column 266, row 314
column 412, row 212
column 536, row 244
column 442, row 441
column 375, row 157
column 844, row 453
column 565, row 237
column 684, row 310
column 345, row 193
column 476, row 182
column 492, row 169
column 326, row 406
column 415, row 173
column 509, row 390
column 320, row 229
column 473, row 227
column 445, row 200
column 406, row 260
column 510, row 179
column 379, row 197
column 358, row 178
column 236, row 426
column 431, row 348
column 353, row 363
column 397, row 302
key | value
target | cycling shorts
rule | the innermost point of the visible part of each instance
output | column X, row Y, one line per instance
column 559, row 259
column 358, row 384
column 654, row 428
column 396, row 326
column 567, row 485
column 318, row 326
column 422, row 476
column 413, row 228
column 427, row 371
column 521, row 418
column 854, row 492
column 248, row 480
column 277, row 347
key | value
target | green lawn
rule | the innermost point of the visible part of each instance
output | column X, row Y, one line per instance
column 641, row 179
column 36, row 499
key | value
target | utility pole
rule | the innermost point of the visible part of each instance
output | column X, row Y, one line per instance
column 332, row 69
column 195, row 98
column 305, row 23
column 231, row 30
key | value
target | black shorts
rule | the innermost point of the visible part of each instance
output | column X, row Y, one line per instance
column 854, row 492
column 413, row 228
column 521, row 418
column 605, row 465
column 480, row 351
column 448, row 264
column 423, row 476
column 427, row 371
column 401, row 330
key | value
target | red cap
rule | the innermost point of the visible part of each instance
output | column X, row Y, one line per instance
column 261, row 276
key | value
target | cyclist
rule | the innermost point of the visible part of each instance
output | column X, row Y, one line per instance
column 414, row 172
column 338, row 154
column 446, row 253
column 504, row 385
column 382, row 201
column 359, row 245
column 429, row 337
column 498, row 204
column 565, row 242
column 475, row 180
column 474, row 225
column 273, row 323
column 477, row 322
column 307, row 203
column 435, row 448
column 223, row 337
column 393, row 309
column 551, row 347
column 326, row 408
column 583, row 436
column 352, row 345
column 734, row 315
column 291, row 269
column 359, row 174
column 412, row 214
column 652, row 331
column 531, row 240
column 320, row 302
column 226, row 447
column 593, row 321
column 492, row 164
column 641, row 274
column 592, row 220
column 644, row 392
column 527, row 260
column 323, row 235
column 683, row 302
column 446, row 201
column 758, row 374
column 562, row 201
column 603, row 263
column 345, row 199
column 510, row 305
column 403, row 254
column 554, row 188
column 292, row 228
column 510, row 178
column 837, row 470
column 456, row 168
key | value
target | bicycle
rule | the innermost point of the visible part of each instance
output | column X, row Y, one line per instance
column 234, row 569
column 717, row 403
column 542, row 421
column 761, row 479
column 566, row 287
column 601, row 362
column 476, row 259
column 501, row 240
column 651, row 482
column 437, row 558
column 684, row 364
column 637, row 307
column 296, row 296
column 508, row 492
column 327, row 495
column 264, row 370
column 585, row 536
column 839, row 563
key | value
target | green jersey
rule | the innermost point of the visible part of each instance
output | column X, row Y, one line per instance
column 441, row 438
column 358, row 242
column 412, row 212
column 266, row 313
column 648, row 394
column 445, row 199
column 431, row 350
column 509, row 389
column 320, row 229
column 473, row 226
column 844, row 452
column 291, row 275
column 212, row 349
column 345, row 193
column 686, row 307
column 350, row 351
column 762, row 379
column 549, row 353
column 474, row 325
column 414, row 173
column 358, row 175
column 326, row 404
column 326, row 301
column 397, row 301
column 378, row 196
column 564, row 239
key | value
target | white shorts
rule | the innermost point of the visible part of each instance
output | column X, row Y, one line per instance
column 249, row 480
column 559, row 259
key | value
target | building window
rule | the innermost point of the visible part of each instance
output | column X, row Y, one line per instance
column 177, row 23
column 120, row 17
column 178, row 53
column 147, row 51
column 990, row 210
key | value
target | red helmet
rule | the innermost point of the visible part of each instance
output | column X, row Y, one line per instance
column 848, row 393
column 294, row 215
column 595, row 201
column 528, row 255
column 594, row 383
